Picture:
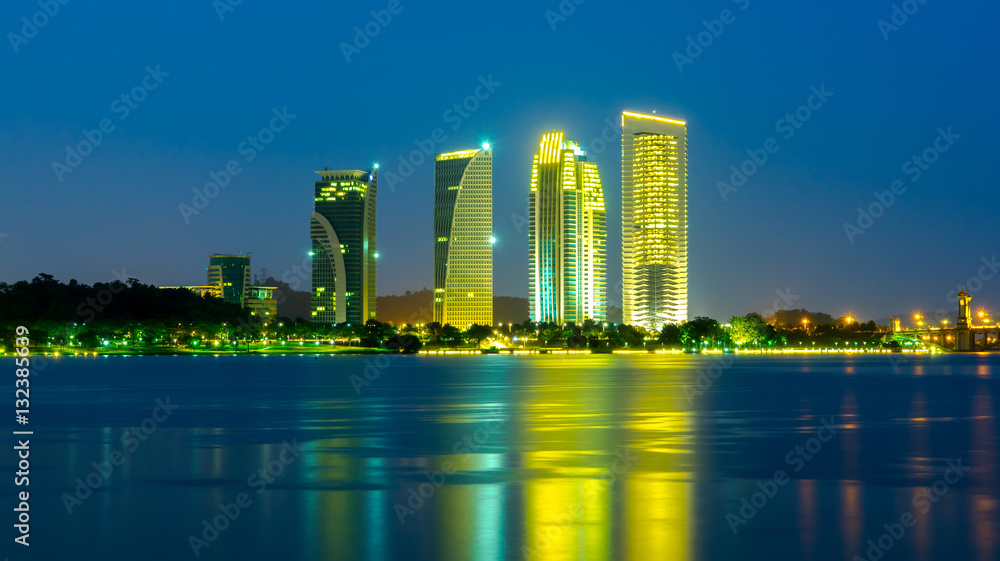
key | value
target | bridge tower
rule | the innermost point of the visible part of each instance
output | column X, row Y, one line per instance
column 963, row 335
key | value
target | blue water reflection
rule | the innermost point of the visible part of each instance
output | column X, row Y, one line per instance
column 501, row 458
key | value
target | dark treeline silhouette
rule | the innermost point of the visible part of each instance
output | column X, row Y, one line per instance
column 132, row 314
column 57, row 312
column 45, row 299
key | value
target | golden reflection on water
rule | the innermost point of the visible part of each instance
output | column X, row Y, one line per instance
column 583, row 467
column 553, row 483
column 597, row 469
column 336, row 520
column 657, row 492
column 470, row 521
column 565, row 430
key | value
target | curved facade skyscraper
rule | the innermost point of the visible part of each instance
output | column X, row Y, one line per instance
column 344, row 252
column 567, row 231
column 463, row 238
column 654, row 220
column 229, row 275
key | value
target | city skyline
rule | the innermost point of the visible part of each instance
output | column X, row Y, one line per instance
column 477, row 281
column 762, row 240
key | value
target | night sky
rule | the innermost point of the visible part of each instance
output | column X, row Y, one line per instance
column 219, row 81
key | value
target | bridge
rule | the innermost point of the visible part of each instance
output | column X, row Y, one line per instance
column 965, row 336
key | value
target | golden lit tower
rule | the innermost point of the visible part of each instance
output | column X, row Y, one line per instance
column 463, row 238
column 568, row 257
column 654, row 220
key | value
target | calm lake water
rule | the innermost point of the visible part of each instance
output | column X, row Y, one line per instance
column 501, row 458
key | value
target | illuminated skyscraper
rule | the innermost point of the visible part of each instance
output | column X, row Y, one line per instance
column 463, row 238
column 343, row 247
column 229, row 276
column 568, row 255
column 654, row 220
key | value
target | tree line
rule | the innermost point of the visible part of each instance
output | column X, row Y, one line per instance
column 129, row 312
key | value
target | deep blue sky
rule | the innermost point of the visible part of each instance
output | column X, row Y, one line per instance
column 783, row 229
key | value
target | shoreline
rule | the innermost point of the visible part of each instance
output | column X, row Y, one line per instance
column 475, row 352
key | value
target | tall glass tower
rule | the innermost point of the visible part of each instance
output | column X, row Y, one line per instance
column 567, row 231
column 343, row 247
column 654, row 220
column 230, row 276
column 463, row 238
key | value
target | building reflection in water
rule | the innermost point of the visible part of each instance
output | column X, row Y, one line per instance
column 567, row 440
column 983, row 474
column 607, row 472
column 919, row 468
column 658, row 490
column 588, row 467
column 851, row 491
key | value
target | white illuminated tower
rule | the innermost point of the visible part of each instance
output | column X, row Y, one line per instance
column 654, row 220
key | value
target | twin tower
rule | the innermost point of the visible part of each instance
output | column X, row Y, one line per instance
column 567, row 233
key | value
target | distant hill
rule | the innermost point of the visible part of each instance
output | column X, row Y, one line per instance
column 418, row 307
column 614, row 314
column 292, row 304
column 411, row 307
column 509, row 309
